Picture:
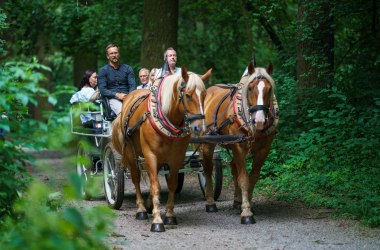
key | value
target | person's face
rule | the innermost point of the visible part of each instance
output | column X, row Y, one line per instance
column 113, row 54
column 143, row 76
column 171, row 57
column 93, row 79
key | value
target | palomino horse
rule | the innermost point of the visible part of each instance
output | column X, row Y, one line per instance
column 247, row 110
column 157, row 126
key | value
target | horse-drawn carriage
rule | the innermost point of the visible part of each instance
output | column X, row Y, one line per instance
column 156, row 127
column 96, row 155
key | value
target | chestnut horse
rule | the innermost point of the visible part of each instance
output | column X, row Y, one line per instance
column 156, row 124
column 247, row 110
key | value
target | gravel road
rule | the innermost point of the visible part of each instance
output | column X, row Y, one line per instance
column 279, row 225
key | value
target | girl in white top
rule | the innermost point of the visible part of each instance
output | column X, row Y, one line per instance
column 87, row 92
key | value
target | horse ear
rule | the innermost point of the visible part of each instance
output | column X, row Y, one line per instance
column 206, row 76
column 185, row 76
column 270, row 68
column 251, row 67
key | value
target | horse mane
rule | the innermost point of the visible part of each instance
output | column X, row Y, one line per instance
column 168, row 87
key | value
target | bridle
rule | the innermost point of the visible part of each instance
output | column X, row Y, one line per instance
column 255, row 108
column 188, row 118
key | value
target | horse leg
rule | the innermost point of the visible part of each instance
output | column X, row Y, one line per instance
column 239, row 153
column 260, row 152
column 208, row 152
column 141, row 213
column 170, row 216
column 155, row 189
column 237, row 190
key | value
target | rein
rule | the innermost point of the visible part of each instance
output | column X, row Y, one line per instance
column 215, row 129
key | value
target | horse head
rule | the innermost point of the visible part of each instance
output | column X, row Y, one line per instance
column 259, row 90
column 192, row 95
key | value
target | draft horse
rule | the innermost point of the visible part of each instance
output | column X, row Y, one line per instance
column 249, row 111
column 156, row 124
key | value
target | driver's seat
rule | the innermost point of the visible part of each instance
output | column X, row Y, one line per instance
column 108, row 113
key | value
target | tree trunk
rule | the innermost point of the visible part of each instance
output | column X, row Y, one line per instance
column 84, row 59
column 42, row 52
column 315, row 59
column 159, row 31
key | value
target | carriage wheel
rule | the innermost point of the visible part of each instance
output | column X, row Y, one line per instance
column 84, row 162
column 181, row 179
column 113, row 178
column 217, row 175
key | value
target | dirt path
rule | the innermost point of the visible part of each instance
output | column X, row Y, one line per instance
column 278, row 225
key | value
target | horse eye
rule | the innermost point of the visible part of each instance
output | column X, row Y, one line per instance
column 188, row 96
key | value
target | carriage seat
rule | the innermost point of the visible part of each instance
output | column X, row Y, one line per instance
column 108, row 113
column 86, row 118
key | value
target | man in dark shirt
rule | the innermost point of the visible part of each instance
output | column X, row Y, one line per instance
column 115, row 80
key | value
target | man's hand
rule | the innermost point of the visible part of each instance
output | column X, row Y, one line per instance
column 120, row 96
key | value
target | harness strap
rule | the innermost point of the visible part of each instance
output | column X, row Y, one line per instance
column 130, row 131
column 225, row 123
column 232, row 92
column 135, row 105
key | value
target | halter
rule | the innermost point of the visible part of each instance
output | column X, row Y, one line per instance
column 253, row 109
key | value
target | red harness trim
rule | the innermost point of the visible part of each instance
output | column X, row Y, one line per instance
column 172, row 129
column 235, row 112
column 153, row 124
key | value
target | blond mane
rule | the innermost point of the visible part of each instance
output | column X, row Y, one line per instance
column 167, row 95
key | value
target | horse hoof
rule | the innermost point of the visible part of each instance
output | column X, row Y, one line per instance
column 141, row 216
column 247, row 220
column 170, row 221
column 237, row 205
column 157, row 227
column 211, row 208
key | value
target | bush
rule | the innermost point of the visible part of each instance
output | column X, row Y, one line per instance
column 44, row 221
column 19, row 86
column 333, row 163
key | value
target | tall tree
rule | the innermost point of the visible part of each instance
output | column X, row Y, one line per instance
column 159, row 30
column 84, row 56
column 315, row 60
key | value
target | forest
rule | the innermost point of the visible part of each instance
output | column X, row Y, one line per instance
column 326, row 58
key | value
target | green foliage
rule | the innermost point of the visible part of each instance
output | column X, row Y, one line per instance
column 334, row 163
column 64, row 225
column 3, row 26
column 44, row 221
column 19, row 86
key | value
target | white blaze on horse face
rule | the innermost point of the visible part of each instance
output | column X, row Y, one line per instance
column 260, row 116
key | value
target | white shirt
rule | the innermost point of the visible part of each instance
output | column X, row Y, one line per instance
column 147, row 86
column 82, row 95
column 177, row 70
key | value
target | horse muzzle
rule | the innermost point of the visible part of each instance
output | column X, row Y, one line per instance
column 259, row 117
column 196, row 124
